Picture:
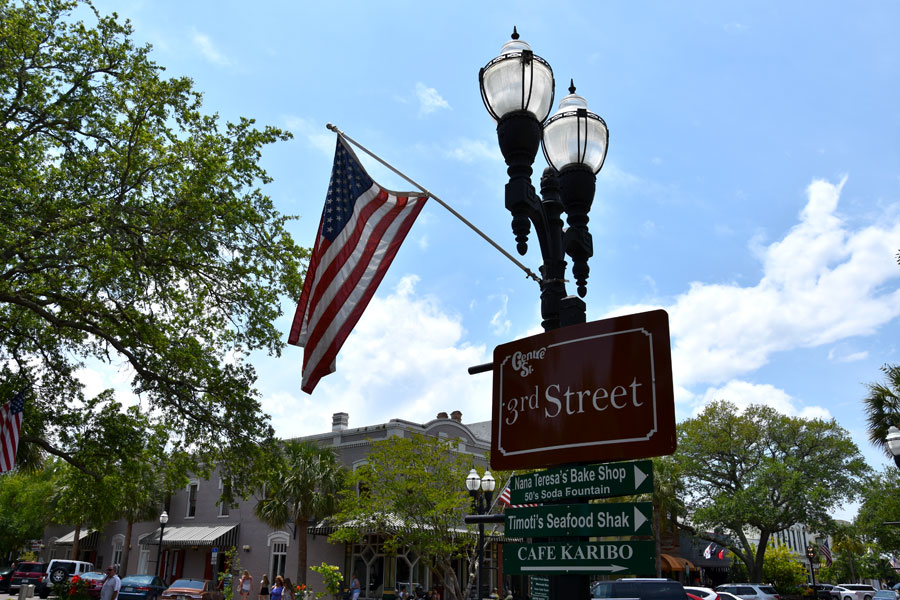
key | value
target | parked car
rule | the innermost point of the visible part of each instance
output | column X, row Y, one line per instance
column 727, row 596
column 853, row 591
column 141, row 587
column 192, row 589
column 645, row 589
column 93, row 581
column 60, row 571
column 704, row 593
column 886, row 595
column 6, row 574
column 820, row 591
column 750, row 591
column 27, row 573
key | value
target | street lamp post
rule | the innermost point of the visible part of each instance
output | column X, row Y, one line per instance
column 811, row 554
column 517, row 88
column 163, row 519
column 893, row 443
column 482, row 490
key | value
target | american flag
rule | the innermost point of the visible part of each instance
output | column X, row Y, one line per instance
column 826, row 552
column 10, row 425
column 503, row 499
column 361, row 229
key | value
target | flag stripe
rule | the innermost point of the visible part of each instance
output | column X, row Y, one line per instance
column 351, row 302
column 356, row 262
column 10, row 425
column 360, row 231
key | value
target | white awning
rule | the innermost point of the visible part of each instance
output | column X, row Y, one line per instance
column 69, row 538
column 194, row 535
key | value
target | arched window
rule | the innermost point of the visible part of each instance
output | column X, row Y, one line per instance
column 118, row 543
column 278, row 543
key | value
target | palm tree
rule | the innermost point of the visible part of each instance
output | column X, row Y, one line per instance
column 883, row 406
column 304, row 487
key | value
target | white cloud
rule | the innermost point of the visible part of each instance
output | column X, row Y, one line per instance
column 429, row 99
column 822, row 282
column 836, row 355
column 469, row 151
column 743, row 394
column 387, row 367
column 500, row 323
column 315, row 135
column 204, row 44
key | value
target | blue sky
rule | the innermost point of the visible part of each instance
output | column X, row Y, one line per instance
column 751, row 186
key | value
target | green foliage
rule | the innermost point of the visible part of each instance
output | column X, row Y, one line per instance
column 25, row 505
column 302, row 482
column 764, row 470
column 882, row 406
column 333, row 579
column 782, row 568
column 134, row 234
column 412, row 492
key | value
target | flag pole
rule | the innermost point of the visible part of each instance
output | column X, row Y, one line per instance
column 528, row 272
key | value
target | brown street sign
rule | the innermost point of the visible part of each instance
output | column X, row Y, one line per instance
column 599, row 391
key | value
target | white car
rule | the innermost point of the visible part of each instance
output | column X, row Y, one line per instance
column 751, row 591
column 704, row 593
column 853, row 591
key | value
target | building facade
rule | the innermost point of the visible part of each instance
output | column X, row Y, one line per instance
column 198, row 523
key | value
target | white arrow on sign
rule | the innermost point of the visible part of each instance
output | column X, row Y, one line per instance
column 639, row 477
column 613, row 568
column 639, row 518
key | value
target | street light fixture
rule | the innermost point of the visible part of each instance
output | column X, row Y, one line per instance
column 811, row 554
column 893, row 443
column 482, row 490
column 163, row 519
column 517, row 88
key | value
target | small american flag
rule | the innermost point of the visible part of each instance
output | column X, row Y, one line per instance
column 503, row 499
column 826, row 552
column 10, row 425
column 360, row 232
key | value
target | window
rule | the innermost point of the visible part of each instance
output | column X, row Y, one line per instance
column 118, row 543
column 225, row 504
column 144, row 557
column 278, row 542
column 192, row 500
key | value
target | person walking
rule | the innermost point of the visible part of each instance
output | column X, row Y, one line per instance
column 264, row 587
column 354, row 587
column 289, row 592
column 246, row 585
column 277, row 590
column 111, row 585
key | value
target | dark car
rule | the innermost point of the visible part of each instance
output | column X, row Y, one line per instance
column 192, row 589
column 6, row 574
column 141, row 587
column 645, row 589
column 27, row 573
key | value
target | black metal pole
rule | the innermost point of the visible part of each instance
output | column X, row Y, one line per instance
column 480, row 558
column 162, row 528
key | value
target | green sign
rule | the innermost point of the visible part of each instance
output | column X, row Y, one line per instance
column 580, row 520
column 597, row 558
column 606, row 480
column 540, row 587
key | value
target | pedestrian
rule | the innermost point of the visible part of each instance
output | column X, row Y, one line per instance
column 111, row 585
column 264, row 587
column 277, row 588
column 289, row 592
column 495, row 595
column 246, row 585
column 354, row 587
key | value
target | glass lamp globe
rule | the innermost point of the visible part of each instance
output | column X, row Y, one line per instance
column 517, row 80
column 893, row 440
column 473, row 481
column 575, row 136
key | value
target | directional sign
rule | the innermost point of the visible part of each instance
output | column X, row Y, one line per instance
column 606, row 480
column 581, row 520
column 597, row 558
column 591, row 392
column 540, row 587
